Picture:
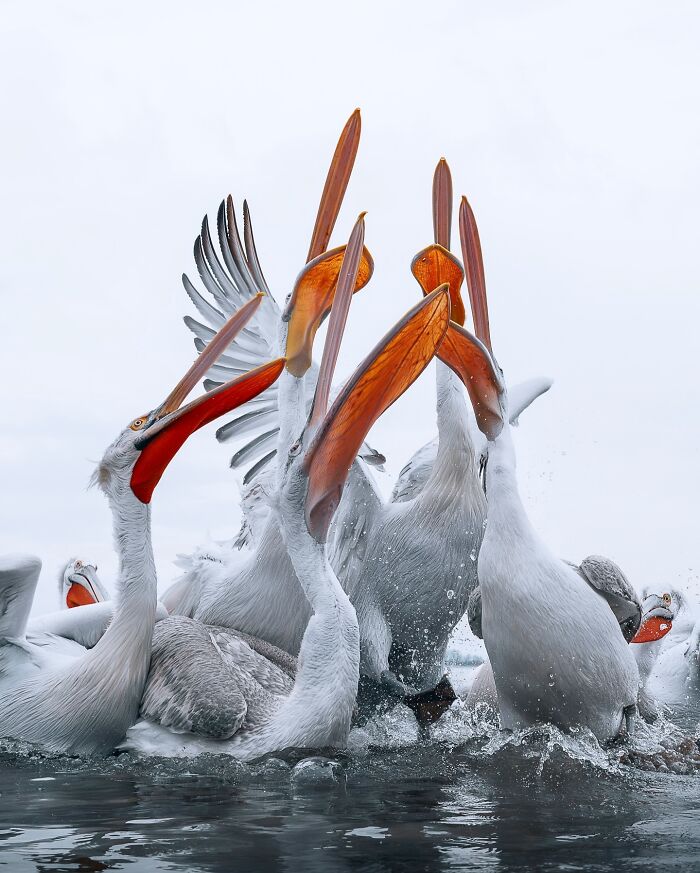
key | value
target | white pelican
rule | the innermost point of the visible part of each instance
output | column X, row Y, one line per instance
column 655, row 623
column 252, row 587
column 409, row 566
column 674, row 666
column 240, row 690
column 537, row 616
column 83, row 702
column 375, row 549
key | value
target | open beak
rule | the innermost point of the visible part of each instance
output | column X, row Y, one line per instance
column 314, row 289
column 474, row 266
column 394, row 364
column 161, row 442
column 311, row 301
column 84, row 588
column 336, row 183
column 475, row 366
column 657, row 619
column 653, row 628
column 172, row 425
column 436, row 265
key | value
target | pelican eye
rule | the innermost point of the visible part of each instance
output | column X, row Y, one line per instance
column 78, row 565
column 295, row 449
column 666, row 599
column 137, row 423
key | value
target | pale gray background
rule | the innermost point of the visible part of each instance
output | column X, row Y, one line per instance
column 573, row 127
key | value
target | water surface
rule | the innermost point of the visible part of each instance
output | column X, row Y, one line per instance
column 399, row 800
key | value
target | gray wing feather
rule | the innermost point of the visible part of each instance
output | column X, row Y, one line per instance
column 227, row 246
column 255, row 447
column 19, row 575
column 215, row 318
column 224, row 282
column 248, row 421
column 235, row 247
column 610, row 582
column 251, row 251
column 354, row 518
column 210, row 283
column 189, row 688
column 415, row 474
column 210, row 681
column 257, row 467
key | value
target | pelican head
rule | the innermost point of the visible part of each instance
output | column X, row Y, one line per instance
column 79, row 585
column 657, row 618
column 140, row 454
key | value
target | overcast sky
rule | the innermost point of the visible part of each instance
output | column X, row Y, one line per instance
column 572, row 127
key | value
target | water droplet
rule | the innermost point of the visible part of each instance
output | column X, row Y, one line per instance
column 450, row 592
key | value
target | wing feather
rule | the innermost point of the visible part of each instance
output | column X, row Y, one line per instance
column 211, row 681
column 251, row 251
column 255, row 447
column 247, row 422
column 19, row 575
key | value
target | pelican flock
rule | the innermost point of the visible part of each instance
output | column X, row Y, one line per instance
column 334, row 601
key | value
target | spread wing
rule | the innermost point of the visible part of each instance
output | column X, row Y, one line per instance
column 19, row 575
column 212, row 681
column 231, row 277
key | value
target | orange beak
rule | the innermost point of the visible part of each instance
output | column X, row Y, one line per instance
column 475, row 366
column 336, row 183
column 311, row 301
column 381, row 378
column 161, row 442
column 474, row 265
column 654, row 628
column 171, row 425
column 78, row 595
column 436, row 265
column 314, row 289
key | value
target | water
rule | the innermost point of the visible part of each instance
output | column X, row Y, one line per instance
column 466, row 798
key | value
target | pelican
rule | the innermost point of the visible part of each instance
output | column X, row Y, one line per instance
column 246, row 696
column 673, row 667
column 79, row 584
column 83, row 702
column 538, row 617
column 252, row 586
column 655, row 622
column 258, row 592
column 410, row 565
column 84, row 612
